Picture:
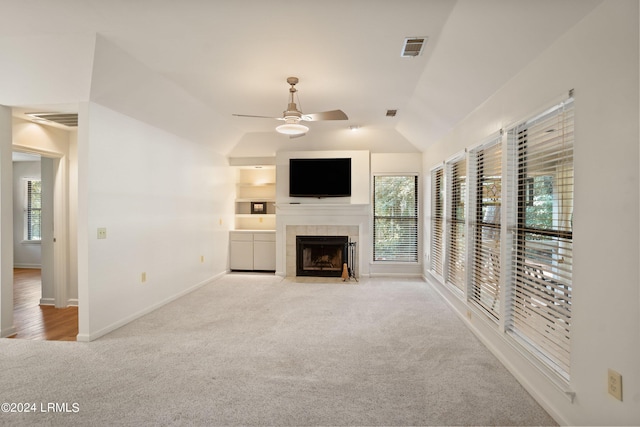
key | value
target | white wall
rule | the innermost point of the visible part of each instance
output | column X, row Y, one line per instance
column 25, row 254
column 164, row 202
column 6, row 225
column 599, row 58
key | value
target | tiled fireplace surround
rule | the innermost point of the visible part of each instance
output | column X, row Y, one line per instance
column 320, row 220
column 314, row 230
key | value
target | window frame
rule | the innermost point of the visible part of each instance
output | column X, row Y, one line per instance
column 437, row 221
column 455, row 259
column 486, row 284
column 28, row 211
column 540, row 285
column 415, row 217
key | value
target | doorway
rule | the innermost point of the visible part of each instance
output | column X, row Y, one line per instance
column 42, row 308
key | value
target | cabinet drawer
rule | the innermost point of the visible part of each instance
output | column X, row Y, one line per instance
column 240, row 237
column 264, row 237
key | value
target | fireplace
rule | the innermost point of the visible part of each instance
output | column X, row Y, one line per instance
column 321, row 255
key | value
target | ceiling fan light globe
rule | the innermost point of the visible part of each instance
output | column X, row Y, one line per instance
column 292, row 129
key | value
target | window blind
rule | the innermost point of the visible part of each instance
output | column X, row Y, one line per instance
column 543, row 238
column 33, row 210
column 395, row 228
column 485, row 167
column 456, row 250
column 437, row 220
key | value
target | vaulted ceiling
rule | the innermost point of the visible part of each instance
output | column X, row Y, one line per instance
column 188, row 66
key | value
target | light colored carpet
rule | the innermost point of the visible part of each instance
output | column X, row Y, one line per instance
column 261, row 350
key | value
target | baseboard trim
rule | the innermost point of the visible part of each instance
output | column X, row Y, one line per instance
column 30, row 266
column 83, row 337
column 411, row 275
column 71, row 302
column 8, row 332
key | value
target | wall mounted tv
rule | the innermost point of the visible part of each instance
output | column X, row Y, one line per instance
column 320, row 177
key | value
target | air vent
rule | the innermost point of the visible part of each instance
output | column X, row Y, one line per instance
column 392, row 113
column 413, row 46
column 64, row 119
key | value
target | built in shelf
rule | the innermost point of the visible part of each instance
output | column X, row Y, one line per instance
column 255, row 185
column 255, row 199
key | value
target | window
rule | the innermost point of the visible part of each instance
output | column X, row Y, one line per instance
column 485, row 172
column 33, row 210
column 542, row 229
column 395, row 218
column 456, row 250
column 437, row 219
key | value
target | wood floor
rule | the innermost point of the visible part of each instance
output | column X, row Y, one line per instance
column 39, row 322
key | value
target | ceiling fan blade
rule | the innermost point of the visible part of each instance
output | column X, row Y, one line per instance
column 260, row 117
column 326, row 115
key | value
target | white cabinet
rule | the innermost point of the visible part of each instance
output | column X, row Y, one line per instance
column 252, row 250
column 240, row 251
column 264, row 251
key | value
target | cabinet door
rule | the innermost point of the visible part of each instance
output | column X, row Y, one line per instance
column 264, row 251
column 241, row 255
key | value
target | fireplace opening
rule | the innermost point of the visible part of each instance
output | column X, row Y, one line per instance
column 321, row 255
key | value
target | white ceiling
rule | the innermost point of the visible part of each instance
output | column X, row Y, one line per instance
column 196, row 62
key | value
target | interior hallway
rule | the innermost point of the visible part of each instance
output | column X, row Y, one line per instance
column 39, row 322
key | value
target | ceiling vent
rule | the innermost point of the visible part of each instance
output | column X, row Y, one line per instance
column 413, row 46
column 392, row 113
column 64, row 119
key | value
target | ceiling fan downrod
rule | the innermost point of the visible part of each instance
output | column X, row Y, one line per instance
column 292, row 112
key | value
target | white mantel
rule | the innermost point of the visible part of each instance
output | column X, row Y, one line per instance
column 320, row 219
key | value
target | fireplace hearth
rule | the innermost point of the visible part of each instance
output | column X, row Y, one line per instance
column 321, row 256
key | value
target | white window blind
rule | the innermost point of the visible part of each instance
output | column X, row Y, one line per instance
column 456, row 249
column 485, row 173
column 437, row 220
column 395, row 217
column 543, row 238
column 33, row 210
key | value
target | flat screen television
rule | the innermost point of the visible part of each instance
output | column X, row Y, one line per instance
column 319, row 178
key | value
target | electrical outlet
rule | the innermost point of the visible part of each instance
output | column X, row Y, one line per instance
column 143, row 277
column 615, row 384
column 102, row 233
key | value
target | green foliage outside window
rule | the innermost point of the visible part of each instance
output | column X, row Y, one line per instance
column 539, row 208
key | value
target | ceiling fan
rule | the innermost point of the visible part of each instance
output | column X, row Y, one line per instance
column 292, row 116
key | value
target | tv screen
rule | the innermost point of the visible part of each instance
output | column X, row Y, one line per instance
column 320, row 177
